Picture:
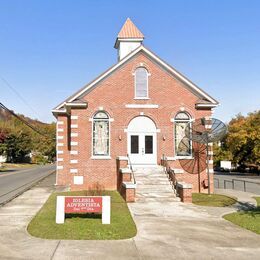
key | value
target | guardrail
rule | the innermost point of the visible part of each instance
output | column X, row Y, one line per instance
column 233, row 182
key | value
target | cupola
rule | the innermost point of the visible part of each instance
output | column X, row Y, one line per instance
column 128, row 39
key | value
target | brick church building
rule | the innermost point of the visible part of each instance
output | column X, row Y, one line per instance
column 138, row 107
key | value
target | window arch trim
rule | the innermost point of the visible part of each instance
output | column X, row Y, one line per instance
column 138, row 96
column 181, row 118
column 100, row 135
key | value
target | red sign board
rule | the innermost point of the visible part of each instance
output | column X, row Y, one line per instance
column 84, row 204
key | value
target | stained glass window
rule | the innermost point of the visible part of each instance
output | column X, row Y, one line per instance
column 141, row 83
column 101, row 134
column 182, row 143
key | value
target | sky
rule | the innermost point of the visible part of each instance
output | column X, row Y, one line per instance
column 50, row 49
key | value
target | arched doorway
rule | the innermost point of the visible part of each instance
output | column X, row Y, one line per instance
column 142, row 141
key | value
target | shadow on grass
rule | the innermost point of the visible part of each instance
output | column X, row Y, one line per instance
column 246, row 206
column 83, row 215
column 7, row 170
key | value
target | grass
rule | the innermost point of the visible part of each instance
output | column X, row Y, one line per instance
column 7, row 166
column 249, row 219
column 213, row 200
column 84, row 226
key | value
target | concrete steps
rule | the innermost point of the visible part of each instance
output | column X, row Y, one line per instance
column 153, row 185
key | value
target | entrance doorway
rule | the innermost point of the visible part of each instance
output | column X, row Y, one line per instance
column 142, row 141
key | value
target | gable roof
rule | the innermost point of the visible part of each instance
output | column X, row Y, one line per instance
column 203, row 95
column 129, row 30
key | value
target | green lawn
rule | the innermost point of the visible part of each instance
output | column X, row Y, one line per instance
column 249, row 219
column 7, row 166
column 87, row 226
column 213, row 200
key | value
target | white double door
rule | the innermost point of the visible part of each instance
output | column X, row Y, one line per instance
column 142, row 148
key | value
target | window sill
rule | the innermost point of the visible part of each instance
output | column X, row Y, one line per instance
column 141, row 98
column 100, row 157
column 184, row 157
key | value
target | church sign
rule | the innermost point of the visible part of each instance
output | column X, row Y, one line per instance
column 83, row 204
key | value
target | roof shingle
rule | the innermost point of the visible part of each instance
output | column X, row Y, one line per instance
column 129, row 30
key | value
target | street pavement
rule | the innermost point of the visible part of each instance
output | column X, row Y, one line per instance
column 251, row 184
column 14, row 182
column 166, row 230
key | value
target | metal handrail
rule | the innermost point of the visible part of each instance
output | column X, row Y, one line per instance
column 169, row 171
column 131, row 168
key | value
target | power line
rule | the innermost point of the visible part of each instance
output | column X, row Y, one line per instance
column 19, row 95
column 22, row 120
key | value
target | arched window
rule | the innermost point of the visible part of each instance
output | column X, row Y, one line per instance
column 141, row 83
column 182, row 143
column 101, row 134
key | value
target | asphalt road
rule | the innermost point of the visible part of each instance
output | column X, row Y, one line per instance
column 237, row 181
column 15, row 182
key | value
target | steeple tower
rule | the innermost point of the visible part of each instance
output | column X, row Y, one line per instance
column 128, row 39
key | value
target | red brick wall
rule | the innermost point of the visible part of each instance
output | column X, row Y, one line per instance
column 113, row 93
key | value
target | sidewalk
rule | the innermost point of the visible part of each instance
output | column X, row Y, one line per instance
column 166, row 230
column 245, row 199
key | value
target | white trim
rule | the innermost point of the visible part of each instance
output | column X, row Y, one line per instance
column 73, row 143
column 141, row 48
column 170, row 158
column 147, row 89
column 157, row 130
column 208, row 126
column 184, row 185
column 175, row 122
column 60, row 137
column 59, row 167
column 73, row 170
column 141, row 98
column 59, row 152
column 73, row 161
column 59, row 159
column 125, row 170
column 122, row 158
column 74, row 134
column 74, row 126
column 59, row 111
column 74, row 152
column 141, row 106
column 71, row 104
column 60, row 123
column 78, row 180
column 210, row 161
column 211, row 170
column 129, row 185
column 60, row 130
column 187, row 157
column 207, row 105
column 210, row 153
column 176, row 170
column 74, row 117
column 60, row 144
column 100, row 157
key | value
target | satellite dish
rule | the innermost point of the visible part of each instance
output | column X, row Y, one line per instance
column 205, row 131
column 198, row 162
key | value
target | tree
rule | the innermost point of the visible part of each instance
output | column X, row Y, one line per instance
column 18, row 146
column 242, row 143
